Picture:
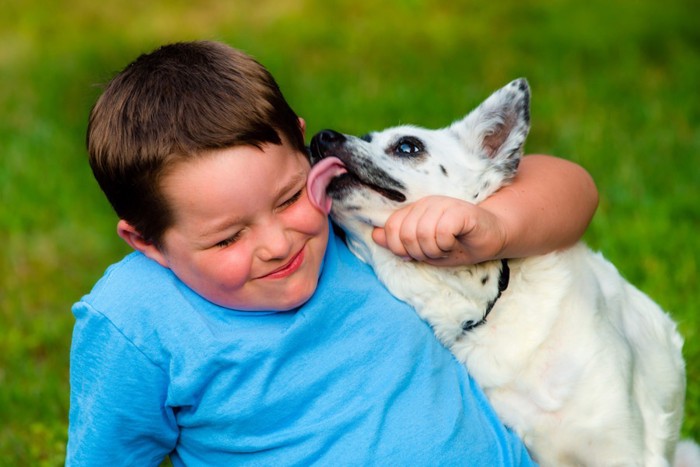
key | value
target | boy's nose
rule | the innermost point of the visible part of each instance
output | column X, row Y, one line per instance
column 274, row 242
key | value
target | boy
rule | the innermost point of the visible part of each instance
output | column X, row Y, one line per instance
column 241, row 330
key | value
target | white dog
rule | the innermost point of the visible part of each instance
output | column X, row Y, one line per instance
column 583, row 366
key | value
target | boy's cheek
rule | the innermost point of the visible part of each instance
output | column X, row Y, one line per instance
column 311, row 220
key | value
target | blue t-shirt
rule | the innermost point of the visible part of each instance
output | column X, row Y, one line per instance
column 353, row 377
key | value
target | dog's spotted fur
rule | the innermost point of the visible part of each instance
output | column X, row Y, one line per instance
column 585, row 367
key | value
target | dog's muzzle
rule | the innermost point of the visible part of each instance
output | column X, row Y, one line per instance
column 353, row 168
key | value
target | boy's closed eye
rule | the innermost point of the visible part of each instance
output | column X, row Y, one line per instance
column 285, row 204
column 293, row 199
column 228, row 241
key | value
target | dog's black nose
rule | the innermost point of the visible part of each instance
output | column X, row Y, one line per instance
column 329, row 137
column 322, row 142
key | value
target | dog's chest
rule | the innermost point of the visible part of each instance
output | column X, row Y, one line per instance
column 451, row 300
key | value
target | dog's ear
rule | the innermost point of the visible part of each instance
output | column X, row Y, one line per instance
column 499, row 125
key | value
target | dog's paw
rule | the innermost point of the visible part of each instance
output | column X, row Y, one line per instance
column 450, row 322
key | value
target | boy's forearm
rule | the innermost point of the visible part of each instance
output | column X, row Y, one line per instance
column 547, row 207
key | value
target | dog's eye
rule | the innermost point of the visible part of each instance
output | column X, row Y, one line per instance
column 408, row 147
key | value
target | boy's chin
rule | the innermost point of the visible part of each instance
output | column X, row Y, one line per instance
column 298, row 302
column 293, row 302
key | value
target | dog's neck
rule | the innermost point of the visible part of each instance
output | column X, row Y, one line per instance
column 359, row 239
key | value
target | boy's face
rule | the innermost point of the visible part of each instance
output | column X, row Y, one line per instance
column 245, row 234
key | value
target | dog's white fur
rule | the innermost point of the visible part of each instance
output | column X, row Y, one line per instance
column 583, row 366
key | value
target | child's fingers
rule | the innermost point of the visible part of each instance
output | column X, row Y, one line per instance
column 418, row 232
column 401, row 233
column 392, row 233
column 427, row 230
column 434, row 234
column 379, row 236
column 451, row 225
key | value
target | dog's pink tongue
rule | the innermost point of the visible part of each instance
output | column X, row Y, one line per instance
column 320, row 176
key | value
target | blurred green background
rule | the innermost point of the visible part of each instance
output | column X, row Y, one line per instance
column 616, row 88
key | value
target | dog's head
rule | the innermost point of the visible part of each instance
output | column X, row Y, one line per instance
column 368, row 178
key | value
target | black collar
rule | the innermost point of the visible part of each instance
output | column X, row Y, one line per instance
column 503, row 281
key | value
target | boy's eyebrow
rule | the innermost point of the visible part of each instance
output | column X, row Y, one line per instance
column 294, row 180
column 214, row 230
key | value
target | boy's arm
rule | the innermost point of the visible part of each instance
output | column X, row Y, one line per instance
column 117, row 414
column 547, row 207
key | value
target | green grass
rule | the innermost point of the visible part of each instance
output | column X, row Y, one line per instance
column 615, row 88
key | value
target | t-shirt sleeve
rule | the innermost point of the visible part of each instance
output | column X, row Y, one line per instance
column 118, row 413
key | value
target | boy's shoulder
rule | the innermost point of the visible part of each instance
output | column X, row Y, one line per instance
column 126, row 277
column 146, row 304
column 135, row 288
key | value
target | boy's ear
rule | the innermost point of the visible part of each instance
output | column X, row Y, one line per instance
column 136, row 241
column 302, row 126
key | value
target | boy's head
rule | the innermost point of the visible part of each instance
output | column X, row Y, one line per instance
column 175, row 104
column 205, row 164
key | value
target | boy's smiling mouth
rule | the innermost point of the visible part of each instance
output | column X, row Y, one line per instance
column 287, row 269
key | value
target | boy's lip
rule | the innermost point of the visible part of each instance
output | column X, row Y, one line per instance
column 288, row 268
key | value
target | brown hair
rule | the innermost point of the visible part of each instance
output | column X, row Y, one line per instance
column 176, row 103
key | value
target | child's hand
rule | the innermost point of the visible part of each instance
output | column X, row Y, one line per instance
column 443, row 231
